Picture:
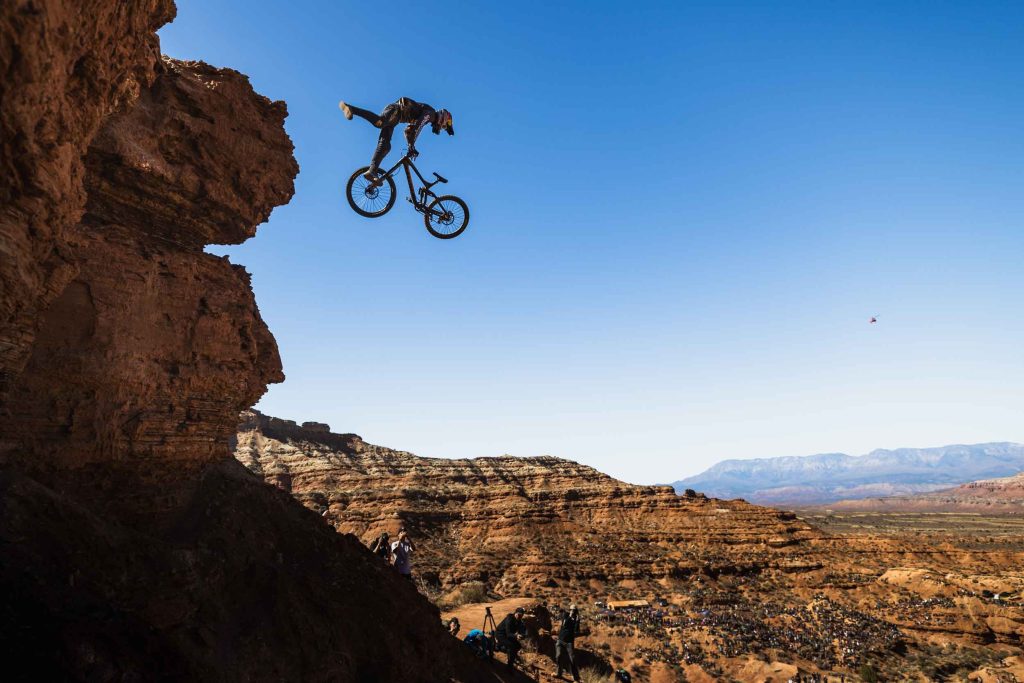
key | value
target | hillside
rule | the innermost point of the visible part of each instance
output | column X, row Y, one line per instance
column 753, row 593
column 829, row 477
column 517, row 524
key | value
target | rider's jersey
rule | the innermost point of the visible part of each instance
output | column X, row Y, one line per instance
column 416, row 114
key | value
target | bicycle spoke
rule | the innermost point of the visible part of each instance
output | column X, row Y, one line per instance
column 451, row 217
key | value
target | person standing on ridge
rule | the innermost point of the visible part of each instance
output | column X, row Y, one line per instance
column 382, row 547
column 402, row 549
column 567, row 633
column 405, row 110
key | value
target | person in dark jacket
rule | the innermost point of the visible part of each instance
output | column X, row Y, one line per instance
column 405, row 110
column 382, row 547
column 565, row 644
column 509, row 632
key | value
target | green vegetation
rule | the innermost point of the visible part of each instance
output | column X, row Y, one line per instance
column 867, row 674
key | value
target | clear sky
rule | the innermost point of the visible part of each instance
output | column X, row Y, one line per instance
column 682, row 217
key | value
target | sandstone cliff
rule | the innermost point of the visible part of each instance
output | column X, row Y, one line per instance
column 63, row 68
column 754, row 592
column 517, row 524
column 132, row 546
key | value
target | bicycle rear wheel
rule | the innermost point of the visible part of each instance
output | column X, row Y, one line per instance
column 446, row 217
column 368, row 199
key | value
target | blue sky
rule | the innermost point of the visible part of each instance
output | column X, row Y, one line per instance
column 682, row 217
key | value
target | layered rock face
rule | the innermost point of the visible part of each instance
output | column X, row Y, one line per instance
column 63, row 68
column 132, row 546
column 153, row 346
column 517, row 523
column 753, row 591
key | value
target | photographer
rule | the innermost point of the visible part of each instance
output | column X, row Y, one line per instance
column 382, row 547
column 508, row 634
column 402, row 549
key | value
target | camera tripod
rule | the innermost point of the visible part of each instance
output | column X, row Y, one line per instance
column 488, row 621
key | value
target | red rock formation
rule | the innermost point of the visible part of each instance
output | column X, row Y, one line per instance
column 63, row 68
column 756, row 591
column 518, row 523
column 163, row 341
column 133, row 546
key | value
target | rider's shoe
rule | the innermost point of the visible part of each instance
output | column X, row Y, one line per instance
column 371, row 175
column 346, row 110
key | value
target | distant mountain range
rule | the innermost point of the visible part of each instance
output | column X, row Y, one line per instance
column 829, row 477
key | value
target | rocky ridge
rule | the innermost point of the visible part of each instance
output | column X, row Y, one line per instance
column 755, row 593
column 132, row 545
column 517, row 524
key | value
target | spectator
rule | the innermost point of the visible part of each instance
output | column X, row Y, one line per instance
column 567, row 633
column 382, row 547
column 508, row 634
column 480, row 643
column 402, row 549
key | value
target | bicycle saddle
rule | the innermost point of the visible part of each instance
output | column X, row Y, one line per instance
column 443, row 180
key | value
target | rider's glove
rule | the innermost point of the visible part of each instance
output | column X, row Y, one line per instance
column 413, row 153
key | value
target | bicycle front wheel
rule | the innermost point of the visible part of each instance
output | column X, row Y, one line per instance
column 446, row 217
column 368, row 199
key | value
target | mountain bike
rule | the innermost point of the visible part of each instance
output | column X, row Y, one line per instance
column 445, row 216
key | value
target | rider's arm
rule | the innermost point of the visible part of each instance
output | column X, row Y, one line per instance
column 412, row 131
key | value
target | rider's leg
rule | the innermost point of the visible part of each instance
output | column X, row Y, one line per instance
column 351, row 110
column 383, row 147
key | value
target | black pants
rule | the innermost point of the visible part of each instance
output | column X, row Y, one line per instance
column 512, row 648
column 570, row 653
column 386, row 121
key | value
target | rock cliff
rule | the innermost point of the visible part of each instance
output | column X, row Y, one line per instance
column 517, row 524
column 752, row 593
column 132, row 546
column 64, row 67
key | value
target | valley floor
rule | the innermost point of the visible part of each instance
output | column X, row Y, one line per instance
column 892, row 597
column 963, row 526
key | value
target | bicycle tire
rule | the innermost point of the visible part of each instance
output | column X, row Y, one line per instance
column 360, row 195
column 455, row 216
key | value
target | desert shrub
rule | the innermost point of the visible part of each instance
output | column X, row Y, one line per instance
column 465, row 594
column 868, row 674
column 593, row 675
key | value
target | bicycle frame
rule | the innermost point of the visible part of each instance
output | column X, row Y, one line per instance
column 406, row 163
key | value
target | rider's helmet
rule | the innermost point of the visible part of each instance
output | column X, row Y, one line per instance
column 443, row 119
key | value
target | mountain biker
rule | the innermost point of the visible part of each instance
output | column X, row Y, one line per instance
column 405, row 110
